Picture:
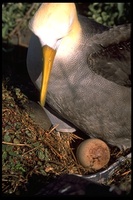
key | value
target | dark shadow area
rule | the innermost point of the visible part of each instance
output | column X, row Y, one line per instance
column 65, row 185
column 14, row 70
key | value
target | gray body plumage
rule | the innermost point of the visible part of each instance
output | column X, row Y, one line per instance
column 91, row 87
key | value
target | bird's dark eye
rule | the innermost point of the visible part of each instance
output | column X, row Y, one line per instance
column 59, row 39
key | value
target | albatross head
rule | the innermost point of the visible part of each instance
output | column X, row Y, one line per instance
column 52, row 23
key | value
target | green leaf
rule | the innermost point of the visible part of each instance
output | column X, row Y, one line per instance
column 7, row 138
column 12, row 153
column 120, row 7
column 41, row 155
column 4, row 155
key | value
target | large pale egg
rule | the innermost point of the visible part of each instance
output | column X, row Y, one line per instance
column 93, row 154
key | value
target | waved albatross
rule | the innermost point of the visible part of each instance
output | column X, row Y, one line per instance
column 82, row 70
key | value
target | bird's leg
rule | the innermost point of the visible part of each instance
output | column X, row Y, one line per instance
column 104, row 175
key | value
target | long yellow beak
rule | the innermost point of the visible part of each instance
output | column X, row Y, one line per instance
column 48, row 58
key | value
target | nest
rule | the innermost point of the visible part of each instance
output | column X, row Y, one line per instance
column 27, row 149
